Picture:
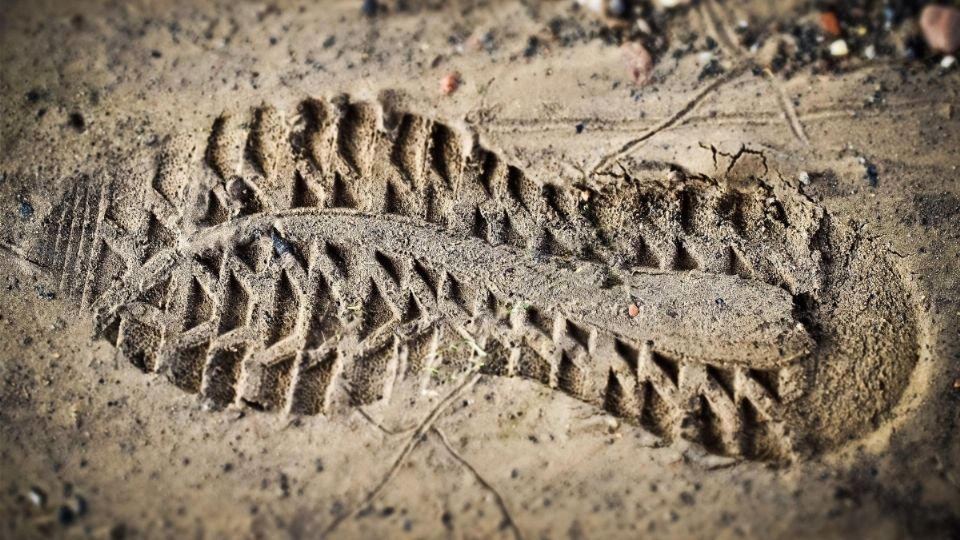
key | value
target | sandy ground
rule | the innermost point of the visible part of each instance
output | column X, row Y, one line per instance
column 97, row 94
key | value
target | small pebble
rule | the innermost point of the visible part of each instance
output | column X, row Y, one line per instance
column 948, row 61
column 804, row 178
column 450, row 83
column 280, row 244
column 643, row 26
column 839, row 48
column 870, row 52
column 77, row 121
column 668, row 4
column 533, row 43
column 638, row 61
column 37, row 496
column 941, row 28
column 595, row 6
column 633, row 310
column 617, row 8
column 829, row 22
column 26, row 210
column 66, row 515
column 369, row 7
column 871, row 174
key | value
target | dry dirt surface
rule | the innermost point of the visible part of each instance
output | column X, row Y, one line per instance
column 465, row 269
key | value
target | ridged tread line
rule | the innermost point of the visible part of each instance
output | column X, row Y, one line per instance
column 466, row 190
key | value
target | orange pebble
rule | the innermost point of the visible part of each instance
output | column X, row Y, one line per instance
column 450, row 83
column 941, row 28
column 633, row 310
column 830, row 24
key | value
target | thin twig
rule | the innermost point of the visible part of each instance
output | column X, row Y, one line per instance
column 606, row 160
column 789, row 111
column 412, row 442
column 727, row 40
column 383, row 428
column 508, row 518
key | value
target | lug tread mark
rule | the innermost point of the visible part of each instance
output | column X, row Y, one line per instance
column 309, row 324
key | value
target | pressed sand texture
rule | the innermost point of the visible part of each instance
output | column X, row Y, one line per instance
column 264, row 280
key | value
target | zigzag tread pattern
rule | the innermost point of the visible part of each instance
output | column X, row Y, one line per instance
column 231, row 299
